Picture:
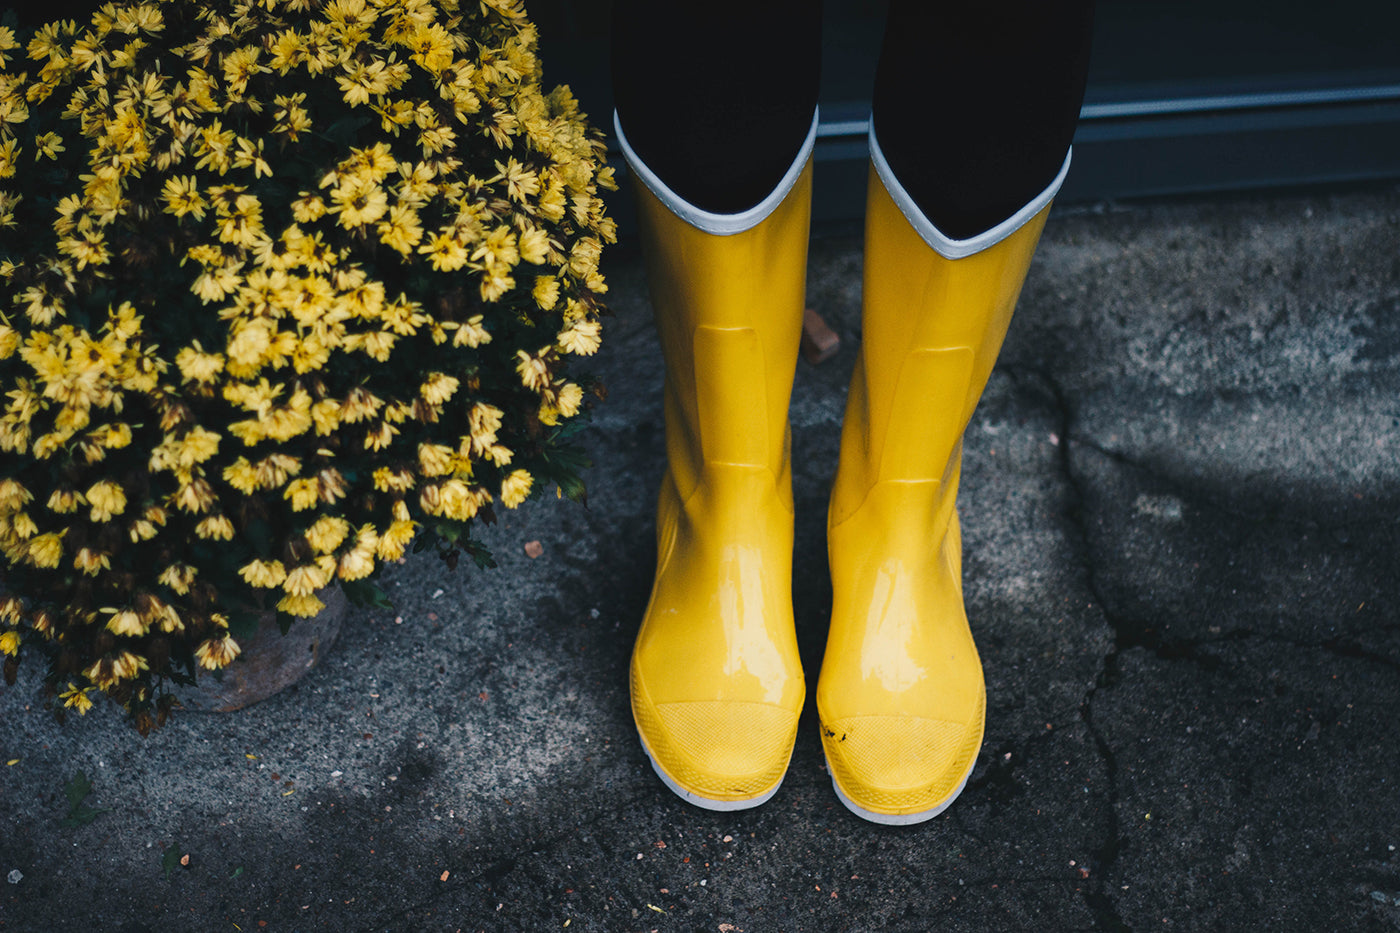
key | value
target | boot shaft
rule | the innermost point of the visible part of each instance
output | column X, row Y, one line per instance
column 728, row 311
column 931, row 331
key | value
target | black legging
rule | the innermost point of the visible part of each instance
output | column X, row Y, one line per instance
column 974, row 103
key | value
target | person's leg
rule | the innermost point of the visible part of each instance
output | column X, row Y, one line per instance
column 716, row 98
column 973, row 113
column 975, row 104
column 718, row 133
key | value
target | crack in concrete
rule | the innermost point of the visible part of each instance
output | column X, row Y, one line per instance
column 1191, row 492
column 1096, row 897
column 1271, row 512
column 1352, row 651
column 1189, row 649
column 997, row 777
column 1132, row 633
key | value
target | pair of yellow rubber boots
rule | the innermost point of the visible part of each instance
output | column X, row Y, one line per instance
column 716, row 681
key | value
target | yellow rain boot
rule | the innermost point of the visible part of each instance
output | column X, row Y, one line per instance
column 900, row 697
column 716, row 681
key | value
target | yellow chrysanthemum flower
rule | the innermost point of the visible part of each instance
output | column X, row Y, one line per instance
column 390, row 480
column 380, row 436
column 357, row 202
column 126, row 623
column 105, row 499
column 197, row 133
column 445, row 251
column 582, row 338
column 358, row 562
column 22, row 526
column 331, row 485
column 402, row 230
column 195, row 496
column 435, row 459
column 306, row 579
column 546, row 292
column 241, row 476
column 327, row 533
column 215, row 528
column 216, row 653
column 472, row 333
column 533, row 369
column 141, row 530
column 111, row 670
column 483, row 421
column 48, row 145
column 239, row 67
column 325, row 414
column 431, row 46
column 274, row 470
column 302, row 493
column 181, row 195
column 301, row 605
column 46, row 550
column 265, row 574
column 395, row 540
column 76, row 698
column 197, row 366
column 65, row 501
column 515, row 488
column 308, row 208
column 569, row 399
column 438, row 388
column 179, row 577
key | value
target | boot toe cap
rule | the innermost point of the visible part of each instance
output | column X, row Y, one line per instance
column 900, row 769
column 720, row 754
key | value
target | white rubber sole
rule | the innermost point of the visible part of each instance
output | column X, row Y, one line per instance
column 895, row 819
column 708, row 803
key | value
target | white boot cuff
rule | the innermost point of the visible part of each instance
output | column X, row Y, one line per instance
column 717, row 224
column 944, row 245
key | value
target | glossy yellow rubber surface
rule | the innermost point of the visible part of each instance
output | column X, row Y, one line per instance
column 716, row 681
column 901, row 696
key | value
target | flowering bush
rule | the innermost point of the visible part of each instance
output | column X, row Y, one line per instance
column 284, row 284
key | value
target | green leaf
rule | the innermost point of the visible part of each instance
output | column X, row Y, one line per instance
column 573, row 426
column 562, row 466
column 243, row 624
column 76, row 789
column 181, row 679
column 480, row 555
column 365, row 594
column 259, row 535
column 170, row 859
column 574, row 489
column 572, row 459
column 343, row 131
column 79, row 813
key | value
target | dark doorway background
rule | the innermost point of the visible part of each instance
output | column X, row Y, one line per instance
column 1185, row 96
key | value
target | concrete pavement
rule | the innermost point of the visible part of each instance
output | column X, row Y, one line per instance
column 1182, row 566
